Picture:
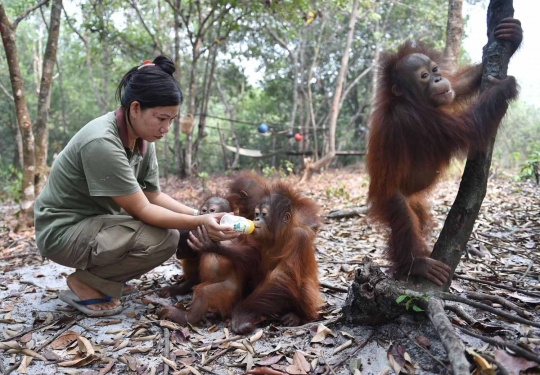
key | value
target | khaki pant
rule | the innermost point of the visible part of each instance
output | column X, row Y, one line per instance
column 108, row 250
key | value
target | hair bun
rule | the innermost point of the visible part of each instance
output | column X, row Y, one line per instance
column 165, row 63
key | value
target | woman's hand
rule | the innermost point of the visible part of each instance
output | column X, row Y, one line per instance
column 215, row 231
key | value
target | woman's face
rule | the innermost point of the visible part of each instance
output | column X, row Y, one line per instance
column 152, row 123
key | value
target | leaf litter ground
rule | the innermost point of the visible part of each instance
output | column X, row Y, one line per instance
column 41, row 335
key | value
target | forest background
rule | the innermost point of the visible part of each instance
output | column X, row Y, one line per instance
column 240, row 63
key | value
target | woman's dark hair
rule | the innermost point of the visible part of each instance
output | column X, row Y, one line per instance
column 150, row 85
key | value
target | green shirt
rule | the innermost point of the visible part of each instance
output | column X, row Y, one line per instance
column 94, row 166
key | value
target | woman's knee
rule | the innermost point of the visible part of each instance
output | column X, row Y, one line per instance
column 171, row 241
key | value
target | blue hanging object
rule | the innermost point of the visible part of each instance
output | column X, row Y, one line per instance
column 263, row 128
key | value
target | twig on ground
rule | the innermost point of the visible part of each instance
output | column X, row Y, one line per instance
column 206, row 369
column 326, row 363
column 217, row 355
column 85, row 327
column 452, row 297
column 47, row 342
column 501, row 368
column 502, row 247
column 525, row 274
column 515, row 348
column 424, row 349
column 347, row 213
column 219, row 342
column 501, row 301
column 492, row 270
column 334, row 287
column 458, row 310
column 166, row 349
column 24, row 332
column 309, row 325
column 452, row 343
column 343, row 262
column 518, row 272
column 358, row 347
column 502, row 286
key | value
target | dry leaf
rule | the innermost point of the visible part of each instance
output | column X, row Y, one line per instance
column 170, row 363
column 300, row 361
column 79, row 361
column 510, row 362
column 140, row 349
column 122, row 345
column 25, row 362
column 343, row 346
column 170, row 325
column 256, row 336
column 269, row 360
column 85, row 346
column 110, row 364
column 26, row 338
column 423, row 341
column 64, row 340
column 10, row 345
column 294, row 370
column 322, row 332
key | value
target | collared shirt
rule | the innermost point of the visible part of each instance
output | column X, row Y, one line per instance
column 95, row 165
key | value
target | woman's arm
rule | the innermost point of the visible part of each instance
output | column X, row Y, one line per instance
column 164, row 200
column 138, row 206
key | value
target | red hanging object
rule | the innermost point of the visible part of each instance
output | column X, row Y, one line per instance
column 298, row 137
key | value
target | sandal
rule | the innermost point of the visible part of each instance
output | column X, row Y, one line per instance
column 71, row 299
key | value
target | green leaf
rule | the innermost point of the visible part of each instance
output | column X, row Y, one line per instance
column 401, row 298
column 417, row 309
column 355, row 364
column 408, row 304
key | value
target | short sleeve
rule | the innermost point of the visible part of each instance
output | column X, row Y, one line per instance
column 151, row 173
column 107, row 169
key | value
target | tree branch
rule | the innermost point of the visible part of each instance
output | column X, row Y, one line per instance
column 25, row 13
column 6, row 91
column 141, row 18
column 280, row 41
column 459, row 223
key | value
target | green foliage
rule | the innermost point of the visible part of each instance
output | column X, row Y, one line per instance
column 204, row 178
column 117, row 40
column 514, row 148
column 339, row 191
column 411, row 302
column 531, row 167
column 10, row 182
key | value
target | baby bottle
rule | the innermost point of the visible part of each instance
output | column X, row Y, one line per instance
column 238, row 223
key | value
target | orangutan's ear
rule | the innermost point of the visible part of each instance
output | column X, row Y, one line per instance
column 287, row 217
column 396, row 91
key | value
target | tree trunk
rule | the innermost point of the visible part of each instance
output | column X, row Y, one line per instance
column 177, row 142
column 334, row 109
column 188, row 165
column 309, row 93
column 40, row 127
column 101, row 102
column 23, row 117
column 454, row 31
column 231, row 110
column 62, row 97
column 106, row 59
column 209, row 79
column 226, row 162
column 460, row 220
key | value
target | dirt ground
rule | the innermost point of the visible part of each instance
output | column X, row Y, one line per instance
column 41, row 335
